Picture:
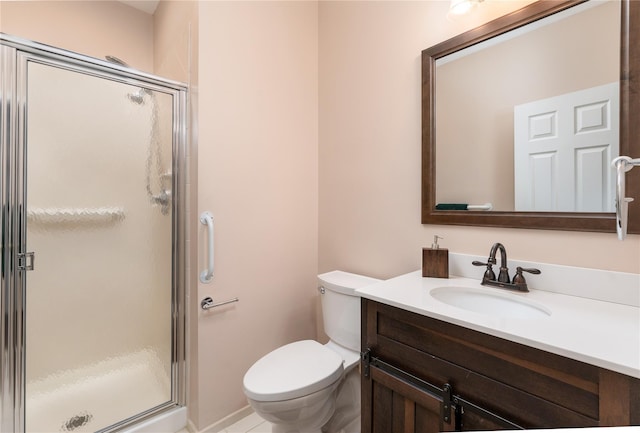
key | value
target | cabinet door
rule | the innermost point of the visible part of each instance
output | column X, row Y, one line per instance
column 470, row 417
column 393, row 405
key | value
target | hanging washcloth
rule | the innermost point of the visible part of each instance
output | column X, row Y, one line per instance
column 452, row 206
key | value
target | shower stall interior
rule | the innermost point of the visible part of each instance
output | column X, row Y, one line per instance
column 92, row 166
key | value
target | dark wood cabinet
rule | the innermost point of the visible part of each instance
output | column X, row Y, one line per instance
column 399, row 406
column 424, row 375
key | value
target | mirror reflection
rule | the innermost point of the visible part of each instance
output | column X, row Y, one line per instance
column 528, row 120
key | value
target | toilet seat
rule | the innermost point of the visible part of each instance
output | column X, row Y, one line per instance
column 294, row 370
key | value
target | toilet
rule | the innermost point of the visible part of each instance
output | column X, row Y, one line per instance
column 308, row 387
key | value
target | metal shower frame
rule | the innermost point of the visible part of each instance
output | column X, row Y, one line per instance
column 15, row 53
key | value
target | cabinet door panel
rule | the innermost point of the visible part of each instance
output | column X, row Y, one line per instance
column 472, row 421
column 400, row 407
column 382, row 413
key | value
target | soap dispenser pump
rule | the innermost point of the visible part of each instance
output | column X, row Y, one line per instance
column 435, row 260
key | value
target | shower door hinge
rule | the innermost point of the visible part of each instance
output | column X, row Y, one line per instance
column 26, row 261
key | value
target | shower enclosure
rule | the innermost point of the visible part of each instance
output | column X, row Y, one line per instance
column 92, row 162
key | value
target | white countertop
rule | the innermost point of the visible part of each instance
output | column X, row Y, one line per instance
column 601, row 333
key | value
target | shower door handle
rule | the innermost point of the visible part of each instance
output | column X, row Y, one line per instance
column 207, row 219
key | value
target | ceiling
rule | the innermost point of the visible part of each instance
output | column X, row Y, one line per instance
column 148, row 6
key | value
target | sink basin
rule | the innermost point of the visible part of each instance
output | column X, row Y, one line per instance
column 490, row 303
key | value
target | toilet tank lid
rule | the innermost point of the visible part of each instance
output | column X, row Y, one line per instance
column 294, row 370
column 344, row 282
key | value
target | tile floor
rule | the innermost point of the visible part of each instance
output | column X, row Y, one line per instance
column 249, row 424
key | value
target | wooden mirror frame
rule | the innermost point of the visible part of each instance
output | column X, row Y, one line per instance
column 629, row 127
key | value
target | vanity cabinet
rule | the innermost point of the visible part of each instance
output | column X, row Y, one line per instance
column 424, row 375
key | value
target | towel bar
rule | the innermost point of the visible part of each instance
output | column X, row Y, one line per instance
column 621, row 165
column 207, row 303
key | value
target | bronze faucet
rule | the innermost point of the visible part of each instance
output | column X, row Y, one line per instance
column 489, row 278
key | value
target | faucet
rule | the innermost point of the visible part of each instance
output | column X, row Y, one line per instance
column 504, row 281
column 503, row 276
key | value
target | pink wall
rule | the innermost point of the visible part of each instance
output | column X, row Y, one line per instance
column 257, row 174
column 175, row 40
column 94, row 28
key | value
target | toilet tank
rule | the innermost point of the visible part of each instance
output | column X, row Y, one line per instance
column 341, row 306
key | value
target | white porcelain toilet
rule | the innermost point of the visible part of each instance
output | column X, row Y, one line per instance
column 307, row 387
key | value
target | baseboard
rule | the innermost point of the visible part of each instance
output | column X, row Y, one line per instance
column 226, row 421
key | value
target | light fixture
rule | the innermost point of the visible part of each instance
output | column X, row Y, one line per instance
column 460, row 7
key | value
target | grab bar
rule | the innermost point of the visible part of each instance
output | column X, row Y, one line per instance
column 207, row 219
column 622, row 164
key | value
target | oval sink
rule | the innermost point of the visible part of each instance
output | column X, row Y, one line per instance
column 490, row 302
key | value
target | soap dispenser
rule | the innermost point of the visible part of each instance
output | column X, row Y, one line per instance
column 435, row 260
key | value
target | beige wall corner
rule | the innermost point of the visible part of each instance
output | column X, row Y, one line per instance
column 257, row 174
column 95, row 29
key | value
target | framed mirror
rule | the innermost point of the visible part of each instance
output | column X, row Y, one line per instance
column 495, row 148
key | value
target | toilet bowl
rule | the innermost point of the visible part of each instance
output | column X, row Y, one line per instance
column 308, row 387
column 295, row 386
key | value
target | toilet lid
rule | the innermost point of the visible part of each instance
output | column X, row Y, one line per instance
column 291, row 371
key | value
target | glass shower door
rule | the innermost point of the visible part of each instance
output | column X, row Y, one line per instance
column 99, row 211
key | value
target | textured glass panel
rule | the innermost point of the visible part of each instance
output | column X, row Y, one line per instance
column 98, row 314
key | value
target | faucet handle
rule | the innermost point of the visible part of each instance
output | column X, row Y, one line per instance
column 518, row 278
column 529, row 270
column 489, row 275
